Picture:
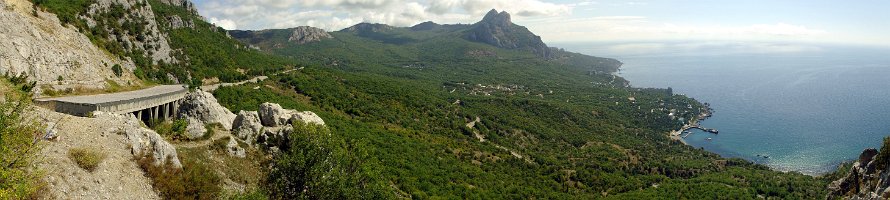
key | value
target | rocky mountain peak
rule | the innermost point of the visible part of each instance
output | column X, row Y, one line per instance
column 307, row 34
column 502, row 18
column 498, row 30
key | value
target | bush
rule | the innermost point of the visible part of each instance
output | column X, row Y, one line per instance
column 19, row 144
column 319, row 165
column 174, row 129
column 86, row 158
column 118, row 71
column 195, row 180
column 883, row 158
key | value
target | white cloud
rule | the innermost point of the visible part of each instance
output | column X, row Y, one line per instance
column 334, row 15
column 224, row 23
column 610, row 28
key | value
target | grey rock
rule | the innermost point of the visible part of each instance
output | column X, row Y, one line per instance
column 247, row 126
column 306, row 34
column 272, row 114
column 195, row 129
column 203, row 106
column 176, row 22
column 497, row 29
column 143, row 141
column 188, row 5
column 234, row 149
column 306, row 117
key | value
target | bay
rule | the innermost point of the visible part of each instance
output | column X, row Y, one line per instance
column 792, row 107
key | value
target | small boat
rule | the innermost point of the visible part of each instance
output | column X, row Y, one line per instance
column 709, row 139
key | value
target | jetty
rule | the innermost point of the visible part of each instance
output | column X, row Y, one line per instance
column 696, row 126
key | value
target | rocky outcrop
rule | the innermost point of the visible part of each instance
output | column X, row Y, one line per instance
column 247, row 125
column 175, row 22
column 270, row 126
column 202, row 106
column 306, row 34
column 148, row 38
column 234, row 149
column 142, row 141
column 188, row 5
column 497, row 29
column 866, row 179
column 52, row 54
column 195, row 129
column 272, row 114
column 306, row 117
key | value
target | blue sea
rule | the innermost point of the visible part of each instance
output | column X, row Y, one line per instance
column 792, row 107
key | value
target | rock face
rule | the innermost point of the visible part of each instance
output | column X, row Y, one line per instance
column 247, row 125
column 188, row 5
column 272, row 114
column 143, row 141
column 202, row 106
column 150, row 40
column 498, row 30
column 195, row 129
column 176, row 22
column 306, row 34
column 46, row 50
column 865, row 180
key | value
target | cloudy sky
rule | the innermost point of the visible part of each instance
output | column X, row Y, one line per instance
column 823, row 21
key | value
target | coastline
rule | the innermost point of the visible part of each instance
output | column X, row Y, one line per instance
column 692, row 123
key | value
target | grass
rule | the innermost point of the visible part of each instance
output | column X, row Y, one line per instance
column 195, row 180
column 87, row 158
column 247, row 171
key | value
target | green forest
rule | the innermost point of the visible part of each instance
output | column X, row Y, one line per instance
column 426, row 114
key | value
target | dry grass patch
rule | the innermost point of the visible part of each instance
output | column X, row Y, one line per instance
column 86, row 158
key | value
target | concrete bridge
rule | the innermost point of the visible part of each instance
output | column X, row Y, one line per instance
column 159, row 102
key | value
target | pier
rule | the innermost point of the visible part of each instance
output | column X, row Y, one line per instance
column 687, row 127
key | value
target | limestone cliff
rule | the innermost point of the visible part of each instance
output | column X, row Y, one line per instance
column 497, row 29
column 306, row 34
column 869, row 178
column 132, row 24
column 36, row 43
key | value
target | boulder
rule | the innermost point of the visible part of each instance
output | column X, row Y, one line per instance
column 195, row 129
column 867, row 155
column 143, row 141
column 203, row 106
column 247, row 126
column 234, row 149
column 275, row 136
column 306, row 117
column 272, row 115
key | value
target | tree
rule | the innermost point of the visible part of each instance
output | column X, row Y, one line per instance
column 319, row 165
column 19, row 144
column 117, row 70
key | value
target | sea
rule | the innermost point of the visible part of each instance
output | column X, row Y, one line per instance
column 792, row 107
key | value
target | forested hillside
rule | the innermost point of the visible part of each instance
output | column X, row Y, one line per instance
column 474, row 111
column 446, row 116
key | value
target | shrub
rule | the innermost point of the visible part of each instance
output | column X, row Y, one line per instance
column 319, row 165
column 19, row 144
column 118, row 71
column 883, row 158
column 86, row 158
column 195, row 180
column 174, row 129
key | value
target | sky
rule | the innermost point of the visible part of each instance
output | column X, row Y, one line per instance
column 859, row 22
